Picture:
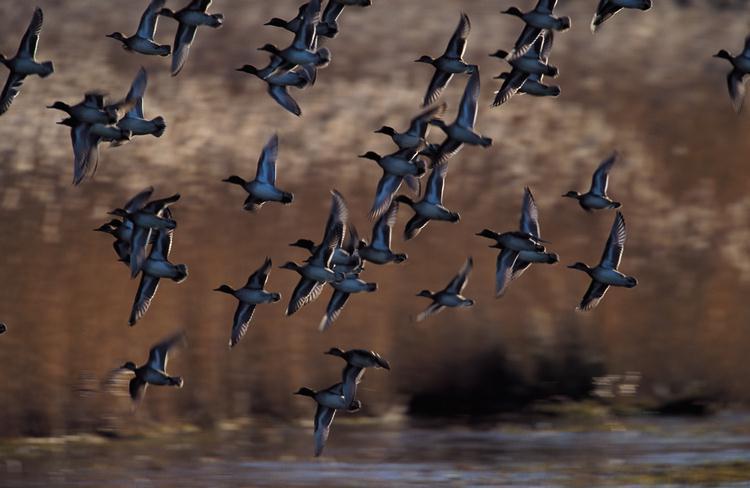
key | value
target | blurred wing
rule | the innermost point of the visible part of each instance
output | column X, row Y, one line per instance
column 323, row 420
column 387, row 187
column 512, row 83
column 467, row 113
column 147, row 26
column 138, row 243
column 157, row 356
column 457, row 44
column 10, row 91
column 27, row 48
column 242, row 317
column 615, row 243
column 420, row 124
column 593, row 295
column 182, row 41
column 431, row 310
column 139, row 201
column 449, row 148
column 136, row 94
column 146, row 291
column 137, row 389
column 305, row 292
column 414, row 226
column 736, row 85
column 437, row 84
column 335, row 306
column 283, row 98
column 604, row 11
column 504, row 270
column 267, row 163
column 435, row 183
column 458, row 283
column 258, row 279
column 518, row 268
column 529, row 214
column 600, row 180
column 163, row 245
column 352, row 376
column 381, row 233
column 525, row 41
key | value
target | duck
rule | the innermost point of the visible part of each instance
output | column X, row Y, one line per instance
column 194, row 15
column 415, row 136
column 292, row 25
column 608, row 8
column 343, row 256
column 156, row 267
column 328, row 400
column 379, row 250
column 122, row 230
column 349, row 284
column 431, row 206
column 249, row 296
column 450, row 62
column 606, row 274
column 134, row 120
column 85, row 149
column 154, row 372
column 278, row 83
column 316, row 271
column 357, row 360
column 535, row 59
column 450, row 296
column 534, row 86
column 530, row 225
column 263, row 188
column 538, row 20
column 303, row 50
column 461, row 131
column 401, row 166
column 736, row 77
column 145, row 218
column 24, row 63
column 596, row 198
column 94, row 110
column 143, row 40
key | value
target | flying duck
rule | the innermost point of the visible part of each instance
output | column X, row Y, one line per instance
column 189, row 19
column 431, row 206
column 379, row 251
column 94, row 110
column 357, row 360
column 451, row 295
column 292, row 25
column 449, row 63
column 345, row 256
column 608, row 8
column 134, row 120
column 530, row 225
column 415, row 136
column 403, row 165
column 596, row 198
column 263, row 188
column 143, row 40
column 328, row 400
column 533, row 62
column 316, row 271
column 278, row 83
column 24, row 63
column 537, row 21
column 606, row 274
column 461, row 131
column 154, row 372
column 736, row 77
column 122, row 230
column 350, row 283
column 157, row 266
column 249, row 296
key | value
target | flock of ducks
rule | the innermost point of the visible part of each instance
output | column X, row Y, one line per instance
column 143, row 228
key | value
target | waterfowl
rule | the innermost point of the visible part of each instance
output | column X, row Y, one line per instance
column 461, row 131
column 415, row 136
column 596, row 198
column 94, row 110
column 292, row 25
column 537, row 20
column 249, row 296
column 143, row 40
column 106, row 133
column 278, row 83
column 606, row 274
column 533, row 62
column 263, row 188
column 431, row 206
column 534, row 86
column 350, row 283
column 403, row 165
column 134, row 120
column 303, row 50
column 328, row 400
column 379, row 251
column 189, row 18
column 85, row 149
column 156, row 267
column 345, row 255
column 608, row 8
column 149, row 216
column 316, row 271
column 122, row 230
column 154, row 372
column 329, row 25
column 451, row 295
column 736, row 77
column 24, row 63
column 357, row 360
column 450, row 62
column 530, row 225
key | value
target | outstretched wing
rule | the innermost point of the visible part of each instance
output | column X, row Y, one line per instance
column 457, row 44
column 467, row 112
column 27, row 48
column 615, row 244
column 529, row 214
column 600, row 179
column 157, row 356
column 267, row 163
column 458, row 283
column 258, row 279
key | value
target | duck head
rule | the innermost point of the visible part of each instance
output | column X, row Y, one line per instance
column 290, row 265
column 277, row 22
column 129, row 366
column 335, row 351
column 425, row 294
column 249, row 68
column 110, row 227
column 225, row 289
column 580, row 266
column 572, row 194
column 425, row 59
column 390, row 131
column 270, row 48
column 404, row 199
column 371, row 155
column 117, row 35
column 724, row 54
column 60, row 106
column 499, row 54
column 235, row 179
column 513, row 11
column 305, row 392
column 632, row 282
column 304, row 244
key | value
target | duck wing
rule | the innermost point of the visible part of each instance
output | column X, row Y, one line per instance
column 447, row 149
column 736, row 85
column 139, row 201
column 304, row 38
column 529, row 214
column 600, row 180
column 199, row 5
column 138, row 243
column 335, row 306
column 433, row 309
column 85, row 151
column 511, row 84
column 545, row 6
column 323, row 420
column 242, row 317
column 335, row 229
column 420, row 125
column 615, row 243
column 137, row 388
column 525, row 41
column 504, row 270
column 604, row 11
column 149, row 19
column 267, row 163
column 146, row 292
column 518, row 269
column 136, row 93
column 383, row 229
column 27, row 48
column 437, row 84
column 435, row 184
column 467, row 112
column 457, row 44
column 351, row 377
column 157, row 356
column 182, row 40
column 593, row 295
column 414, row 226
column 458, row 283
column 306, row 291
column 281, row 95
column 387, row 187
column 258, row 279
column 163, row 244
column 332, row 12
column 10, row 90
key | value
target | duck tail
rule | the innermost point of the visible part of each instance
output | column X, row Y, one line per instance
column 176, row 381
column 486, row 141
column 182, row 273
column 400, row 258
column 161, row 126
column 372, row 287
column 616, row 204
column 564, row 23
column 287, row 198
column 325, row 57
column 217, row 20
column 48, row 67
